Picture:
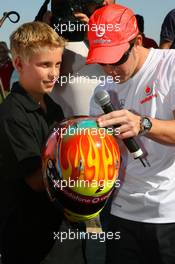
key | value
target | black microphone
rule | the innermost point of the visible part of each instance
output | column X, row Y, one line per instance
column 102, row 98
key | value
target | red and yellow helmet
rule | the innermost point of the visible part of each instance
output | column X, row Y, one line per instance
column 80, row 163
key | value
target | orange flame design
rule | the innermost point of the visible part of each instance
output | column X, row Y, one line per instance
column 89, row 157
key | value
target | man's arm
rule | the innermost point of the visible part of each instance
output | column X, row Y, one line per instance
column 162, row 131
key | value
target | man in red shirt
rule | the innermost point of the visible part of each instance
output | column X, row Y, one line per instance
column 6, row 67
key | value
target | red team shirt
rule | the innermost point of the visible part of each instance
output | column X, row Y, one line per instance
column 5, row 74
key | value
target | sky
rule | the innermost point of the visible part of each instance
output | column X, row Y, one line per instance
column 153, row 11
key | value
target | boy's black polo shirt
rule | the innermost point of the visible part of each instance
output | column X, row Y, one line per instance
column 24, row 127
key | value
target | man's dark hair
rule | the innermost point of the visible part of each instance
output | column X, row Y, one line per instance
column 140, row 22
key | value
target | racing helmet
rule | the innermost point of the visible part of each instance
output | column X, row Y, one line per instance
column 80, row 166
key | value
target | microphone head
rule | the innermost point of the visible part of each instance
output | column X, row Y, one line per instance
column 102, row 98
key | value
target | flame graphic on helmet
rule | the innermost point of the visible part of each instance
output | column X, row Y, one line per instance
column 87, row 157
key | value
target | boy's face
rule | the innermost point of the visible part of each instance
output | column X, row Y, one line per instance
column 40, row 73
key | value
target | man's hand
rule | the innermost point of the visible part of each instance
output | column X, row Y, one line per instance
column 165, row 44
column 82, row 17
column 129, row 123
column 162, row 131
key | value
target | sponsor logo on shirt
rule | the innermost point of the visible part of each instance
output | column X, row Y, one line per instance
column 149, row 95
column 122, row 103
column 148, row 90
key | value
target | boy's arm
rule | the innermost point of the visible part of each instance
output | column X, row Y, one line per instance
column 23, row 151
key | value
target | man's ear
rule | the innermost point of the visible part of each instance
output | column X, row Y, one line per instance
column 139, row 40
column 18, row 64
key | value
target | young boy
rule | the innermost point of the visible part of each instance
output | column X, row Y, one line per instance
column 28, row 219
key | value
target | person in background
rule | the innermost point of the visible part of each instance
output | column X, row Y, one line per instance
column 146, row 42
column 71, row 93
column 6, row 67
column 167, row 35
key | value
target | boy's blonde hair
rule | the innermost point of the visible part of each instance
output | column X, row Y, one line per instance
column 31, row 37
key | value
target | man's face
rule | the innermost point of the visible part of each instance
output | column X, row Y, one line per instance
column 125, row 68
column 40, row 73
